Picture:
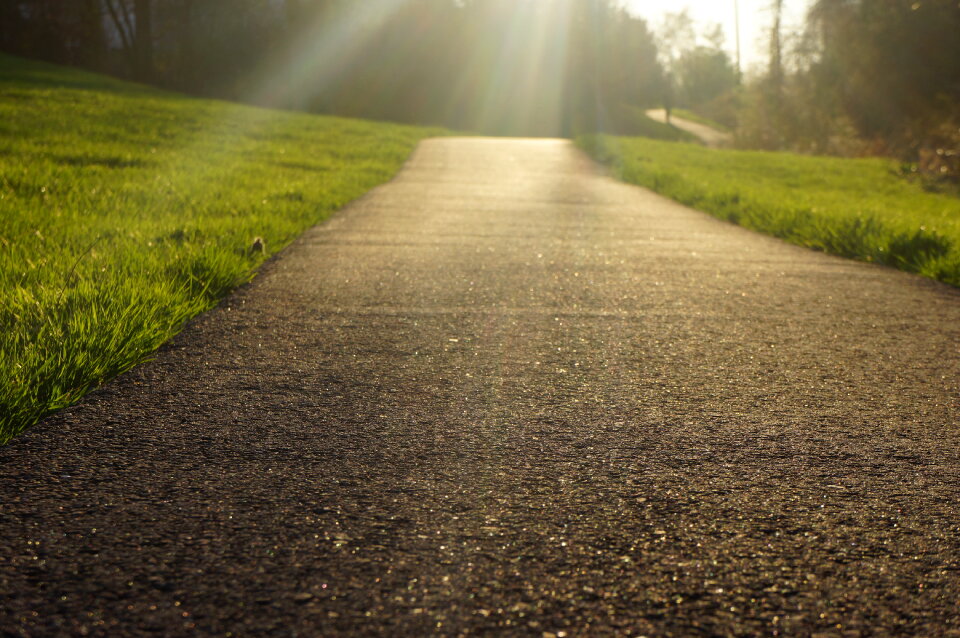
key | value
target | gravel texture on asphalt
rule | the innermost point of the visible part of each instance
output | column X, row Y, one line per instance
column 505, row 394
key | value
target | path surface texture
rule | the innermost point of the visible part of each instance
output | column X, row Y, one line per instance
column 505, row 394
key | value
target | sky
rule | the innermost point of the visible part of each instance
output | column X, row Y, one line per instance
column 755, row 21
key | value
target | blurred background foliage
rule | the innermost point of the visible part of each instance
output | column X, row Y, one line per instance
column 863, row 78
column 859, row 78
column 492, row 66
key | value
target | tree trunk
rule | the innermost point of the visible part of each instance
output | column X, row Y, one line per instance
column 776, row 52
column 9, row 26
column 188, row 71
column 143, row 40
column 120, row 18
column 94, row 39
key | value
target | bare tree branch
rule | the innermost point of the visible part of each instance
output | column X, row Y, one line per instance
column 122, row 23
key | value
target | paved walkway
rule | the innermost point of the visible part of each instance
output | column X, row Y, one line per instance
column 507, row 394
column 708, row 135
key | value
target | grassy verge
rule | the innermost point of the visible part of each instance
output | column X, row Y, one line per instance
column 127, row 210
column 625, row 119
column 859, row 208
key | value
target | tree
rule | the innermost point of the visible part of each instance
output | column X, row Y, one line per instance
column 132, row 21
column 775, row 73
column 891, row 68
column 52, row 30
column 705, row 72
column 143, row 39
column 675, row 35
column 525, row 67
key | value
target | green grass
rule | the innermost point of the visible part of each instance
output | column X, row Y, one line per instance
column 126, row 210
column 859, row 208
column 685, row 114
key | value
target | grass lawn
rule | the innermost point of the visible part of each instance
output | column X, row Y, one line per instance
column 860, row 208
column 126, row 210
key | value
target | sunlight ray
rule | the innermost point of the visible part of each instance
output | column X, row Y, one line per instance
column 324, row 52
column 520, row 84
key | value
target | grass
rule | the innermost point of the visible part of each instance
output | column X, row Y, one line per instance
column 625, row 119
column 859, row 208
column 127, row 210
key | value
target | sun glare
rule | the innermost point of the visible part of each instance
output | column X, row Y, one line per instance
column 323, row 52
column 525, row 84
column 511, row 69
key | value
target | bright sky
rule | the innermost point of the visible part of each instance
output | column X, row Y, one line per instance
column 755, row 21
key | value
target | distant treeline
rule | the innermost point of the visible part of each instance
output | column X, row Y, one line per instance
column 531, row 67
column 863, row 77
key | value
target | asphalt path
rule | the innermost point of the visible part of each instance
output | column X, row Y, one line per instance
column 707, row 134
column 505, row 394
